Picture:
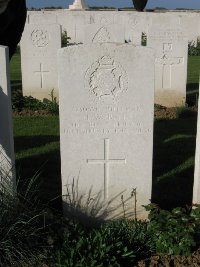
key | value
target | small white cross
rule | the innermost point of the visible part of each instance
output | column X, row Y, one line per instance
column 106, row 162
column 167, row 63
column 41, row 72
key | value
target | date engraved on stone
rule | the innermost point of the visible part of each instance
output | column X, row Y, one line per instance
column 106, row 79
column 40, row 38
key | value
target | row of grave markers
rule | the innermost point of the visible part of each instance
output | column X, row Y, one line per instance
column 41, row 41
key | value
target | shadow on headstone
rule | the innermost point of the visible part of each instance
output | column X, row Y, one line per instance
column 7, row 178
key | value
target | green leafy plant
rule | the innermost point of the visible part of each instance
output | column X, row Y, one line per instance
column 194, row 48
column 116, row 243
column 144, row 39
column 65, row 39
column 20, row 103
column 52, row 105
column 173, row 232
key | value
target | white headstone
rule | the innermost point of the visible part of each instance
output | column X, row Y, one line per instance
column 78, row 5
column 170, row 65
column 6, row 133
column 42, row 17
column 39, row 47
column 106, row 121
column 196, row 186
column 136, row 23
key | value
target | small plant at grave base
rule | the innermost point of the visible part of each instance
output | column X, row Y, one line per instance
column 17, row 101
column 29, row 103
column 115, row 244
column 185, row 112
column 158, row 107
column 52, row 105
column 174, row 232
column 194, row 48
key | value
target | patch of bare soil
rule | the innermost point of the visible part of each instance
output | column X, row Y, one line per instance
column 172, row 261
column 165, row 113
column 169, row 113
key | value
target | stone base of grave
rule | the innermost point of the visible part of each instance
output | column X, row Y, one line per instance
column 170, row 98
column 94, row 207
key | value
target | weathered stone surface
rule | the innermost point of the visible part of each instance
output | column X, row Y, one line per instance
column 106, row 123
column 94, row 33
column 39, row 46
column 6, row 132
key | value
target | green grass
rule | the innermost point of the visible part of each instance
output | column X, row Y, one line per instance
column 37, row 149
column 15, row 71
column 193, row 79
column 173, row 161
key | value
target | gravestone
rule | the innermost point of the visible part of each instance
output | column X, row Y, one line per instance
column 39, row 47
column 170, row 65
column 106, row 122
column 42, row 17
column 6, row 132
column 196, row 186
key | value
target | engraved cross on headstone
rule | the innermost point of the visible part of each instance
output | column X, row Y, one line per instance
column 41, row 72
column 167, row 63
column 106, row 161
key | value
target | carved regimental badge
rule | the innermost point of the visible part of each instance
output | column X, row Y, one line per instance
column 106, row 79
column 40, row 38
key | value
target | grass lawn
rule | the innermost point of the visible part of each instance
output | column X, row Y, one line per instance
column 37, row 149
column 193, row 79
column 15, row 73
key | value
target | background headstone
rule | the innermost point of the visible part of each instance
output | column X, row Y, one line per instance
column 106, row 121
column 6, row 132
column 39, row 46
column 171, row 48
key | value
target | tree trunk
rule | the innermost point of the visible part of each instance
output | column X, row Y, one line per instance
column 139, row 4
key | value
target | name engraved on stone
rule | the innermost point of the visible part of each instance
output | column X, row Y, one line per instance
column 40, row 38
column 168, row 35
column 167, row 63
column 106, row 20
column 41, row 72
column 106, row 79
column 101, row 36
column 107, row 119
column 106, row 161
